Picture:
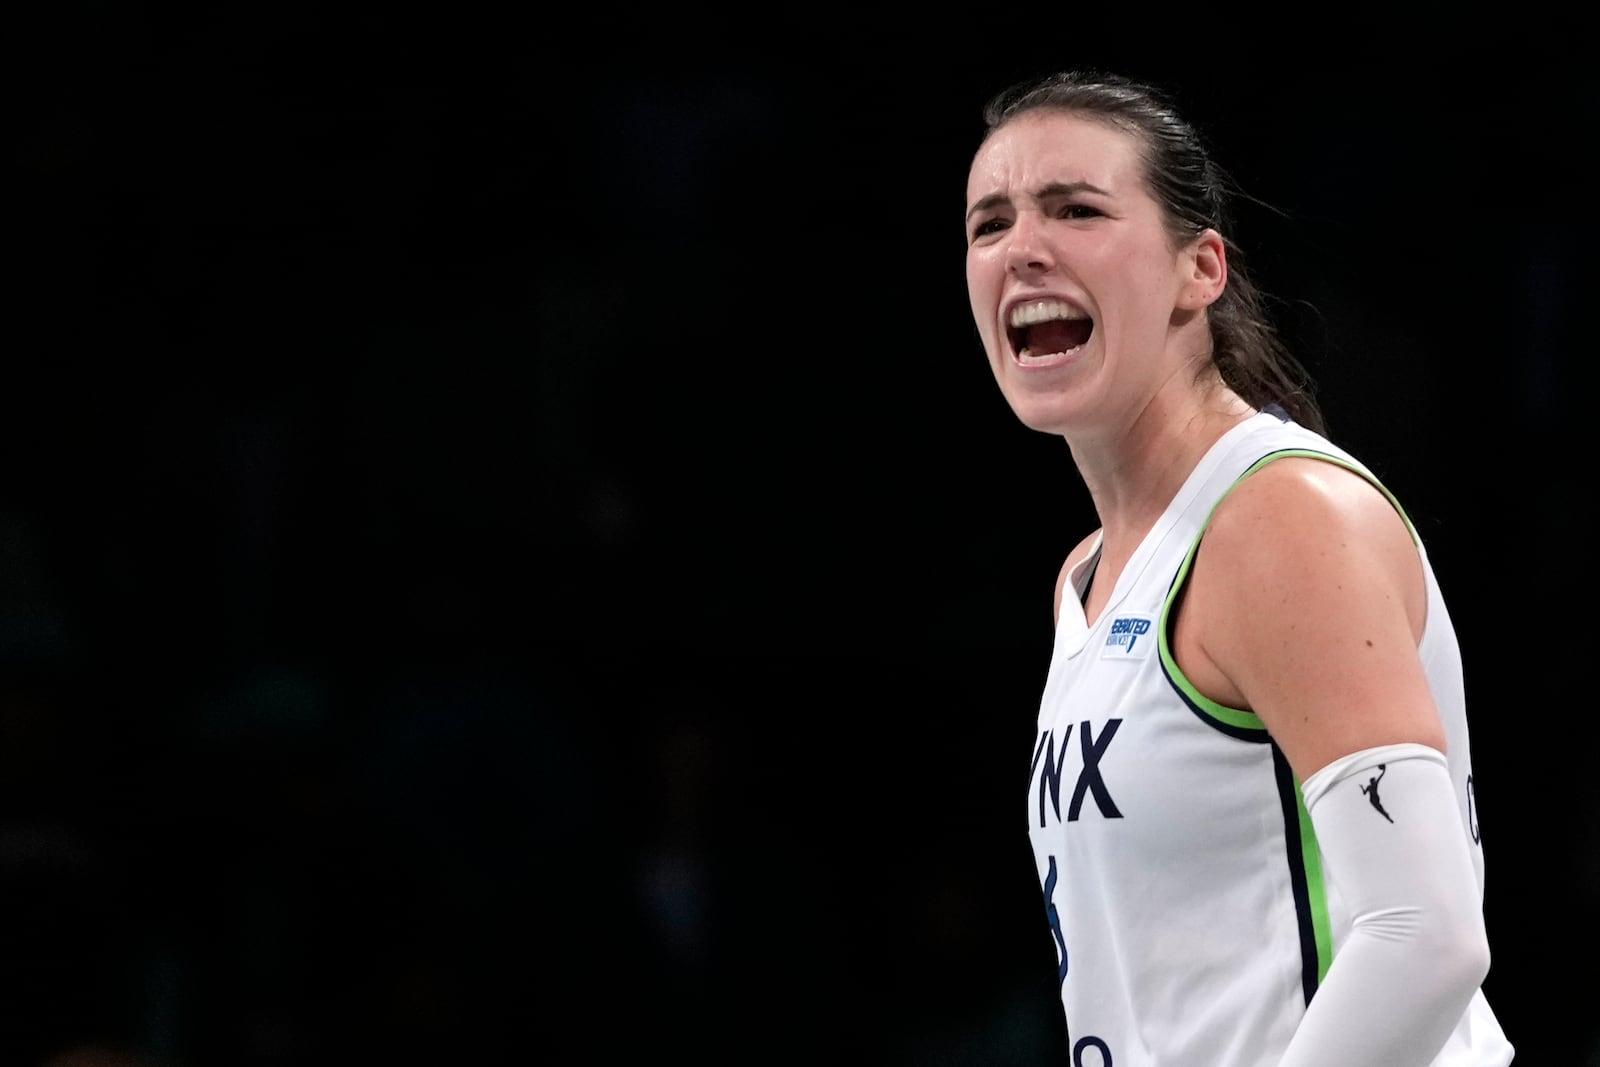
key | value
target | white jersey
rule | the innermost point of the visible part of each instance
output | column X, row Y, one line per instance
column 1181, row 876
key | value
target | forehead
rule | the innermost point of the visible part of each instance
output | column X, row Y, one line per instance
column 1039, row 148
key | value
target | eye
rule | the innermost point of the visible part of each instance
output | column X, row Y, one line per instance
column 986, row 227
column 1079, row 211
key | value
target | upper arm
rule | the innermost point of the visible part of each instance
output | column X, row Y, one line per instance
column 1309, row 603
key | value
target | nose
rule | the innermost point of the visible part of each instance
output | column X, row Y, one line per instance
column 1027, row 252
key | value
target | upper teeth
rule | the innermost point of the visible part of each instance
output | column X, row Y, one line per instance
column 1038, row 311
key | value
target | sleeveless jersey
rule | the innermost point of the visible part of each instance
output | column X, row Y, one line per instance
column 1181, row 874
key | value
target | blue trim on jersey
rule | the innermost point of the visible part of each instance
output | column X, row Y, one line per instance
column 1249, row 728
column 1240, row 725
column 1258, row 734
column 1288, row 798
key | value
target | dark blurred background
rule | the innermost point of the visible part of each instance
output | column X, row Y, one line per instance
column 510, row 551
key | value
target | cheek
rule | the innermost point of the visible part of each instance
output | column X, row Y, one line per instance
column 983, row 288
column 1144, row 288
column 1154, row 274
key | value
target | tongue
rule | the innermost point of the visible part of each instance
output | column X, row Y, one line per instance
column 1058, row 336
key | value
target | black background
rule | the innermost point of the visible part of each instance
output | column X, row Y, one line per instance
column 510, row 550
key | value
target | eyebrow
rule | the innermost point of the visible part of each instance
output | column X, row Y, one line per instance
column 1052, row 189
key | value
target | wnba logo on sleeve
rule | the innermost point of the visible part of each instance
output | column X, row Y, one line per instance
column 1130, row 637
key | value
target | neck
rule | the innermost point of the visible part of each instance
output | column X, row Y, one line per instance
column 1133, row 473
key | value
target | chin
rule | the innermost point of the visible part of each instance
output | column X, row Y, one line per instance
column 1040, row 413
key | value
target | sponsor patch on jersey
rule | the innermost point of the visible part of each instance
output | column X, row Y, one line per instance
column 1130, row 637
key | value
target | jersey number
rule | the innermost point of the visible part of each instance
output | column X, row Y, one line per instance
column 1083, row 1043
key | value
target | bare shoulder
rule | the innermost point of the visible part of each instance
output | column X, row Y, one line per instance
column 1079, row 553
column 1317, row 532
column 1298, row 495
column 1308, row 600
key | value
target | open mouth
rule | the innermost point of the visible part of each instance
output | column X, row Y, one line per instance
column 1043, row 329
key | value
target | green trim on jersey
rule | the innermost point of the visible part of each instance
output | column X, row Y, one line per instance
column 1316, row 888
column 1239, row 719
column 1235, row 717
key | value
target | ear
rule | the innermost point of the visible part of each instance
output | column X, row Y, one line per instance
column 1205, row 271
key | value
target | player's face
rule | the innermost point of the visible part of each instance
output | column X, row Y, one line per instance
column 1073, row 278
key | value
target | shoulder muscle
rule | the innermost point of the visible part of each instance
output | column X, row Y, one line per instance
column 1309, row 599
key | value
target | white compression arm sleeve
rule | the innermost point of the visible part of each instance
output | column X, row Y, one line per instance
column 1393, row 845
